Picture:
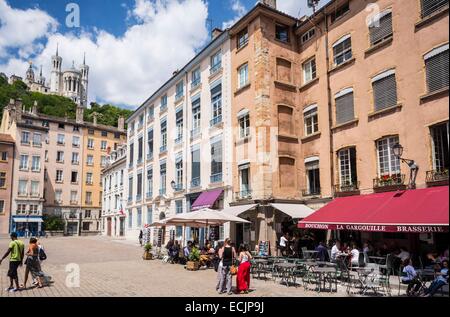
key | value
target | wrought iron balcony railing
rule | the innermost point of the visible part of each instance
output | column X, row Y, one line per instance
column 389, row 180
column 437, row 176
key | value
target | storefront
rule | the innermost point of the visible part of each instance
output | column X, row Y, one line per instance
column 27, row 226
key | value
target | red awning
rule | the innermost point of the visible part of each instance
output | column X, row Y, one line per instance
column 206, row 199
column 414, row 211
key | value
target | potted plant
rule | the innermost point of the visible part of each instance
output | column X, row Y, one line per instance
column 194, row 260
column 147, row 255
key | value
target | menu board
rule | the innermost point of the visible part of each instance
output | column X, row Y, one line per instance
column 264, row 248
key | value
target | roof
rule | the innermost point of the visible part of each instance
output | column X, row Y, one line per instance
column 6, row 138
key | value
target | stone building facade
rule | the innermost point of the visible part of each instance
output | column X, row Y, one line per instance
column 7, row 145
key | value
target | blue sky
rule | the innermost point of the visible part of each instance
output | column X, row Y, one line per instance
column 132, row 46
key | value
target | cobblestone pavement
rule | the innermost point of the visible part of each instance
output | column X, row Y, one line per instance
column 115, row 268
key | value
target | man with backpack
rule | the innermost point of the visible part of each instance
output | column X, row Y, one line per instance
column 16, row 251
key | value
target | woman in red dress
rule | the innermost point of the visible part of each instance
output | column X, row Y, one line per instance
column 243, row 275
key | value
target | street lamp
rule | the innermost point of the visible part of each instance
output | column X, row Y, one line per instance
column 397, row 149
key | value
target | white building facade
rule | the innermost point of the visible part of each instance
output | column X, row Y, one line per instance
column 113, row 206
column 180, row 147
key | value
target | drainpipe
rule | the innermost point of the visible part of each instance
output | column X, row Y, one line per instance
column 12, row 189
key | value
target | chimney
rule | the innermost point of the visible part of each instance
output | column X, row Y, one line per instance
column 80, row 115
column 175, row 72
column 216, row 32
column 34, row 109
column 121, row 123
column 269, row 3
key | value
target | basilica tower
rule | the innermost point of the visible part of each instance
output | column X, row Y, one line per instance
column 56, row 76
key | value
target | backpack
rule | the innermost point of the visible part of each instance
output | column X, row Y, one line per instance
column 42, row 255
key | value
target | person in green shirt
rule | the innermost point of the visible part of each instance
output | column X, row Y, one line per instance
column 16, row 252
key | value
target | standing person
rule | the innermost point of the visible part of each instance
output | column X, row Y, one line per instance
column 336, row 251
column 283, row 244
column 322, row 254
column 227, row 254
column 218, row 266
column 32, row 264
column 410, row 278
column 243, row 275
column 141, row 236
column 16, row 251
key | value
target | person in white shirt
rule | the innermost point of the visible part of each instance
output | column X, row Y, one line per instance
column 403, row 255
column 355, row 255
column 283, row 243
column 335, row 251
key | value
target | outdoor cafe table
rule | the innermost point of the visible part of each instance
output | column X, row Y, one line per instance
column 284, row 270
column 427, row 274
column 323, row 273
column 366, row 277
column 377, row 259
column 309, row 254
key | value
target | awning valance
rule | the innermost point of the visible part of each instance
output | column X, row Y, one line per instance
column 207, row 199
column 29, row 219
column 237, row 210
column 410, row 211
column 295, row 211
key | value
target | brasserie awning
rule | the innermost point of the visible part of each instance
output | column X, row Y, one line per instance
column 295, row 211
column 207, row 199
column 410, row 211
column 237, row 210
column 29, row 219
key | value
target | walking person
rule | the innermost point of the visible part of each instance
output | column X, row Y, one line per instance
column 16, row 252
column 243, row 275
column 141, row 236
column 33, row 265
column 227, row 254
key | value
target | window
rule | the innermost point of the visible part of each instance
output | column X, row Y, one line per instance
column 37, row 139
column 105, row 134
column 242, row 38
column 339, row 12
column 284, row 70
column 179, row 90
column 196, row 78
column 141, row 121
column 216, row 62
column 244, row 125
column 130, row 219
column 90, row 144
column 45, row 124
column 216, row 102
column 150, row 144
column 130, row 189
column 381, row 27
column 308, row 35
column 58, row 196
column 345, row 111
column 59, row 176
column 86, row 226
column 431, row 6
column 4, row 156
column 131, row 128
column 36, row 164
column 163, row 103
column 121, row 177
column 90, row 160
column 103, row 161
column 76, row 128
column 151, row 113
column 388, row 163
column 89, row 198
column 179, row 125
column 244, row 180
column 440, row 148
column 216, row 160
column 75, row 158
column 139, row 217
column 23, row 184
column 61, row 126
column 163, row 172
column 312, row 177
column 149, row 214
column 150, row 183
column 384, row 90
column 347, row 167
column 74, row 177
column 436, row 63
column 25, row 138
column 243, row 75
column 91, row 131
column 342, row 50
column 89, row 179
column 61, row 139
column 287, row 169
column 196, row 117
column 163, row 147
column 139, row 187
column 103, row 145
column 311, row 120
column 286, row 124
column 60, row 157
column 309, row 70
column 178, row 206
column 34, row 209
column 195, row 182
column 23, row 162
column 2, row 206
column 179, row 171
column 21, row 208
column 140, row 150
column 34, row 189
column 2, row 179
column 131, row 156
column 282, row 33
column 87, row 214
column 76, row 141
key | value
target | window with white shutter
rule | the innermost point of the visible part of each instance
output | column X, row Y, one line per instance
column 431, row 6
column 345, row 111
column 384, row 90
column 342, row 50
column 436, row 63
column 381, row 28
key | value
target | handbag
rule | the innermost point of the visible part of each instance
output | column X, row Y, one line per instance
column 233, row 268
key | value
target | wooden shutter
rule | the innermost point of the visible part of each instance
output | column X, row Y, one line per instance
column 430, row 6
column 385, row 92
column 345, row 108
column 437, row 71
column 381, row 29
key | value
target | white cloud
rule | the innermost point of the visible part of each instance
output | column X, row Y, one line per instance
column 20, row 28
column 127, row 69
column 239, row 10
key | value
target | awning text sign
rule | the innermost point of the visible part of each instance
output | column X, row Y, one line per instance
column 376, row 228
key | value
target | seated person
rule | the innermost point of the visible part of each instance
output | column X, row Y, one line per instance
column 410, row 278
column 336, row 251
column 440, row 280
column 322, row 254
column 354, row 255
column 174, row 252
column 187, row 250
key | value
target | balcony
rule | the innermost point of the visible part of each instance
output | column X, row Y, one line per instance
column 89, row 203
column 216, row 178
column 179, row 139
column 37, row 144
column 58, row 201
column 195, row 133
column 162, row 192
column 23, row 142
column 437, row 177
column 310, row 192
column 215, row 69
column 138, row 197
column 388, row 183
column 179, row 96
column 150, row 157
column 74, row 202
column 139, row 161
column 195, row 84
column 77, row 145
column 75, row 162
column 195, row 182
column 163, row 108
column 216, row 121
column 178, row 187
column 244, row 194
column 149, row 195
column 346, row 189
column 130, row 200
column 163, row 149
column 60, row 143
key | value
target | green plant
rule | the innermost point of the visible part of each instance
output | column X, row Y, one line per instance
column 194, row 255
column 148, row 247
column 53, row 223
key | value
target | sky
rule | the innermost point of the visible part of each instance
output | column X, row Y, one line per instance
column 132, row 46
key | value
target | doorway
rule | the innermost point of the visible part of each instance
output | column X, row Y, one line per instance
column 108, row 227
